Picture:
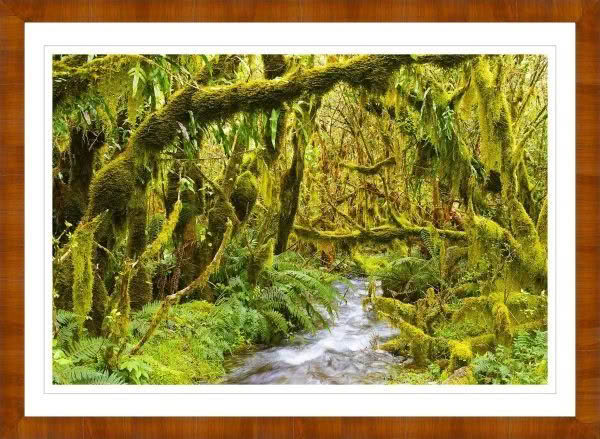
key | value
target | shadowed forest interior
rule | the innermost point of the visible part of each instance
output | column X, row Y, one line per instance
column 299, row 219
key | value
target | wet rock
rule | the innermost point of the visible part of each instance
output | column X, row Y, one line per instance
column 408, row 362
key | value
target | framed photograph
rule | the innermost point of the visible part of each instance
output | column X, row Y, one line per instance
column 281, row 219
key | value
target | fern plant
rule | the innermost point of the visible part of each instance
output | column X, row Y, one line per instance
column 80, row 360
column 301, row 295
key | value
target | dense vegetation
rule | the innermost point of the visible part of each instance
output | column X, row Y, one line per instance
column 203, row 204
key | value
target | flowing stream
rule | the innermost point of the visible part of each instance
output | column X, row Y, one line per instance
column 342, row 354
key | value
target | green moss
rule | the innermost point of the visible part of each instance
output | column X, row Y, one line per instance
column 469, row 289
column 482, row 343
column 420, row 343
column 502, row 326
column 136, row 224
column 163, row 236
column 523, row 306
column 68, row 204
column 495, row 124
column 112, row 188
column 485, row 237
column 261, row 258
column 396, row 346
column 461, row 376
column 159, row 129
column 403, row 375
column 369, row 265
column 82, row 251
column 173, row 362
column 154, row 226
column 140, row 288
column 250, row 163
column 529, row 269
column 473, row 307
column 107, row 74
column 394, row 308
column 63, row 283
column 542, row 224
column 244, row 194
column 460, row 355
column 99, row 306
column 534, row 325
column 371, row 170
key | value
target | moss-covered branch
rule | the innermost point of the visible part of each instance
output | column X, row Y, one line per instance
column 382, row 234
column 371, row 170
column 71, row 79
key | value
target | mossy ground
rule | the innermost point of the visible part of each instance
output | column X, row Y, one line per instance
column 178, row 356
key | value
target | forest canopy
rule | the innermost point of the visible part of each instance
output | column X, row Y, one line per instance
column 207, row 206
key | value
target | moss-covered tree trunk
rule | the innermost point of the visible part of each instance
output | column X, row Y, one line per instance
column 290, row 194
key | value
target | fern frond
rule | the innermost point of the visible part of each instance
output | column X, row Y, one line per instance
column 277, row 320
column 87, row 349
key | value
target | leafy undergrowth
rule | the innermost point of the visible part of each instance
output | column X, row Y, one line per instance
column 190, row 346
column 525, row 362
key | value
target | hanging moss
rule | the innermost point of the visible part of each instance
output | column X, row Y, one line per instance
column 290, row 195
column 99, row 306
column 525, row 194
column 82, row 247
column 140, row 288
column 495, row 124
column 369, row 265
column 261, row 258
column 62, row 277
column 136, row 224
column 218, row 216
column 502, row 326
column 154, row 226
column 244, row 195
column 163, row 236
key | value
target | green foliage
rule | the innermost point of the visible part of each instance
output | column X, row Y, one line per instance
column 403, row 375
column 135, row 370
column 82, row 361
column 524, row 363
column 427, row 172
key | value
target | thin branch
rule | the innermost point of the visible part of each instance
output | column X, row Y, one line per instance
column 172, row 299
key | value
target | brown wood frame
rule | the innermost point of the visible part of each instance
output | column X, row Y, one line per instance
column 13, row 15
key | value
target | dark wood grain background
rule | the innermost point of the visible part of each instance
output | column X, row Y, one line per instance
column 13, row 15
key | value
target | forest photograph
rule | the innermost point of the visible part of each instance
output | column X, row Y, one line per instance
column 299, row 219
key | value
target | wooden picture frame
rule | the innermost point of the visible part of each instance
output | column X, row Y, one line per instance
column 13, row 15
